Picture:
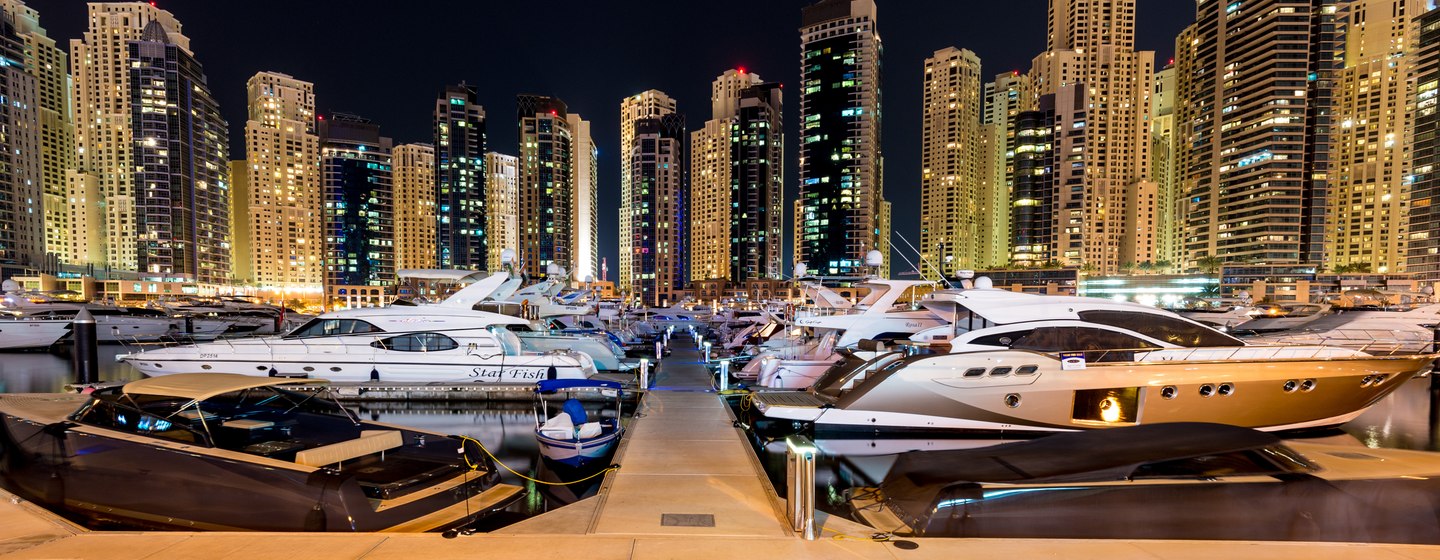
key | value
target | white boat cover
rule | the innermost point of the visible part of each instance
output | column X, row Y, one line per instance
column 201, row 386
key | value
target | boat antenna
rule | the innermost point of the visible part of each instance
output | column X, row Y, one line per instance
column 939, row 273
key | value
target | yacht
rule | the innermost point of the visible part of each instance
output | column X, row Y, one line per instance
column 1026, row 362
column 113, row 324
column 229, row 452
column 445, row 342
column 1371, row 330
column 19, row 332
column 1186, row 481
column 1283, row 316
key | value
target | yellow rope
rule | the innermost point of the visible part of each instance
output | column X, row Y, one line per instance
column 497, row 461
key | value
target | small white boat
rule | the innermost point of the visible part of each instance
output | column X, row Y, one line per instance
column 573, row 437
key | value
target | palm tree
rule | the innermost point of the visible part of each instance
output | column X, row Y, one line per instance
column 1209, row 264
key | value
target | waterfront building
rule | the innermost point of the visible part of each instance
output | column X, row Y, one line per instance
column 359, row 211
column 736, row 182
column 48, row 65
column 502, row 206
column 1369, row 189
column 1109, row 220
column 951, row 153
column 585, row 199
column 22, row 212
column 650, row 103
column 1169, row 230
column 841, row 213
column 414, row 177
column 276, row 199
column 459, row 166
column 659, row 194
column 1046, row 140
column 1423, row 249
column 546, row 184
column 100, row 188
column 1257, row 193
column 1005, row 98
column 181, row 179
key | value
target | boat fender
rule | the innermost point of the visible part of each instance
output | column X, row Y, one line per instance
column 315, row 520
column 374, row 374
column 552, row 373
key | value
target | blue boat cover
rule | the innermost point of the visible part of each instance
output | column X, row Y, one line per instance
column 576, row 412
column 548, row 385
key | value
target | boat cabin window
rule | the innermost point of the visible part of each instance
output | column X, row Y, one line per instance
column 1159, row 327
column 333, row 327
column 104, row 414
column 1067, row 339
column 1000, row 339
column 417, row 342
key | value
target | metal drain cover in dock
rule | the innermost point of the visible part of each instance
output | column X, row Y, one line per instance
column 687, row 520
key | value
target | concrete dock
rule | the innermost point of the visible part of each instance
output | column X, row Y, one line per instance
column 689, row 487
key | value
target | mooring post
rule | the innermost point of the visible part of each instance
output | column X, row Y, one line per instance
column 87, row 368
column 707, row 352
column 644, row 374
column 800, row 484
column 724, row 374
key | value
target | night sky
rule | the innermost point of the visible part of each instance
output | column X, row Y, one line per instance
column 388, row 60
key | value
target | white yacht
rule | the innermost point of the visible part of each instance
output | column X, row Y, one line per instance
column 18, row 332
column 1371, row 330
column 113, row 324
column 1024, row 362
column 445, row 342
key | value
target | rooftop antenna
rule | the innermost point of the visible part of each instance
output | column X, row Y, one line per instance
column 938, row 273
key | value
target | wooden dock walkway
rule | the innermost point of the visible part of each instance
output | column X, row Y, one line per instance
column 689, row 487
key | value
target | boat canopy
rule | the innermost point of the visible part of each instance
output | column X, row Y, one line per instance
column 547, row 385
column 201, row 386
column 453, row 275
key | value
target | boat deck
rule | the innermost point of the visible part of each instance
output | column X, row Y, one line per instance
column 688, row 487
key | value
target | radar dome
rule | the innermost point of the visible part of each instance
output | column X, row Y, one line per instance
column 984, row 283
column 507, row 256
column 874, row 258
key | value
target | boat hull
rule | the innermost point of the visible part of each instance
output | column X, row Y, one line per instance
column 31, row 334
column 579, row 453
column 934, row 394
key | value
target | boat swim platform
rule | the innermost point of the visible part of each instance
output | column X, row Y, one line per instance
column 689, row 487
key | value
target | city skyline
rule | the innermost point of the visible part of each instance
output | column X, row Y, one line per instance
column 619, row 60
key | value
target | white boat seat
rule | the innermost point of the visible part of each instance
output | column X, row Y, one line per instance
column 588, row 430
column 370, row 441
column 559, row 427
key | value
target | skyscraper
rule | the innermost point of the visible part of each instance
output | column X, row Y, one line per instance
column 1048, row 148
column 1004, row 100
column 181, row 168
column 359, row 211
column 277, row 202
column 460, row 179
column 415, row 214
column 950, row 158
column 1256, row 195
column 47, row 63
column 1170, row 229
column 585, row 198
column 103, row 217
column 22, row 213
column 502, row 205
column 650, row 103
column 1103, row 223
column 546, row 184
column 1370, row 193
column 736, row 182
column 659, row 196
column 841, row 214
column 1423, row 250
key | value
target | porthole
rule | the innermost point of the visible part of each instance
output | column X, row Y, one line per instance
column 1012, row 400
column 204, row 366
column 308, row 368
column 1225, row 389
column 261, row 368
column 975, row 372
column 1002, row 370
column 1168, row 392
column 159, row 365
column 1381, row 378
column 1367, row 380
column 1206, row 390
column 1026, row 370
column 335, row 368
column 1307, row 385
column 1290, row 386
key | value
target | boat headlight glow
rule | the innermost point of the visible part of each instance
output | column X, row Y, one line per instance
column 1110, row 409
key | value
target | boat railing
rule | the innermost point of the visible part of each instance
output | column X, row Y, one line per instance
column 1225, row 353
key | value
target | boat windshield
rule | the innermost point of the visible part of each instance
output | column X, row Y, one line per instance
column 508, row 341
column 333, row 327
column 1163, row 328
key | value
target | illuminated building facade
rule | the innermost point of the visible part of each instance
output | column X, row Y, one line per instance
column 358, row 209
column 650, row 103
column 659, row 193
column 459, row 165
column 414, row 183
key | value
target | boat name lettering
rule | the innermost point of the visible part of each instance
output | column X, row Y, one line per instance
column 509, row 374
column 204, row 355
column 912, row 324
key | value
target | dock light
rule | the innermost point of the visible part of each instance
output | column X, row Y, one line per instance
column 724, row 374
column 707, row 352
column 644, row 373
column 800, row 485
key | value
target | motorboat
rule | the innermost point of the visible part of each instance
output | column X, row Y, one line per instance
column 1183, row 481
column 21, row 332
column 446, row 342
column 1026, row 362
column 1371, row 330
column 229, row 452
column 573, row 436
column 113, row 324
column 1283, row 316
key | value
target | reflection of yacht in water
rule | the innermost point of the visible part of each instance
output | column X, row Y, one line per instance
column 445, row 342
column 1232, row 483
column 1024, row 362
